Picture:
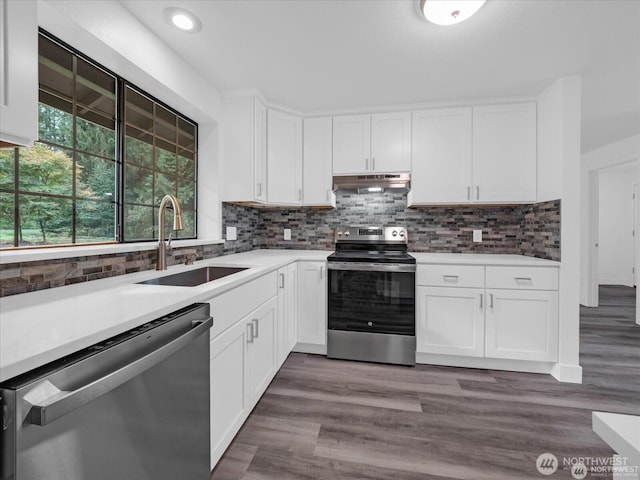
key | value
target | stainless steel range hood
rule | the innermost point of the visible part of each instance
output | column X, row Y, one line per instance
column 399, row 181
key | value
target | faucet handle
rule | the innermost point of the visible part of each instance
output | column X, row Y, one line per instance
column 169, row 240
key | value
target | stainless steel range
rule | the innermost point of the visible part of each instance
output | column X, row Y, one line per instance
column 371, row 301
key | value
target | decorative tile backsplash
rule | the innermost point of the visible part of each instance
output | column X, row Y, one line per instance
column 26, row 277
column 532, row 230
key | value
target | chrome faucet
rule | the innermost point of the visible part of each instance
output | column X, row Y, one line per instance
column 161, row 264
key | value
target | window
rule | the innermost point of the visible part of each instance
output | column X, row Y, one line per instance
column 91, row 177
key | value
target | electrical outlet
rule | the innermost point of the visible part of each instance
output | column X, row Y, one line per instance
column 477, row 236
column 287, row 234
column 232, row 233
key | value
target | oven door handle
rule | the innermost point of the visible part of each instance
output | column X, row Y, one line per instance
column 372, row 267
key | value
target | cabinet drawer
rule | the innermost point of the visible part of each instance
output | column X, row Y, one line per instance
column 230, row 307
column 450, row 275
column 524, row 278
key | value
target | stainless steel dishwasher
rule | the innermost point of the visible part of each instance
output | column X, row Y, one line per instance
column 133, row 407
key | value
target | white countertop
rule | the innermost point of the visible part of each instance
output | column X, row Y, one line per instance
column 621, row 432
column 39, row 327
column 482, row 259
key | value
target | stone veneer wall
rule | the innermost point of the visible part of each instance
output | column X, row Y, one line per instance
column 532, row 230
column 26, row 277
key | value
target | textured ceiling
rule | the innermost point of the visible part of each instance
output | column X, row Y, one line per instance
column 329, row 55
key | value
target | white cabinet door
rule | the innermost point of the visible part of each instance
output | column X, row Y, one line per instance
column 260, row 350
column 351, row 144
column 317, row 162
column 287, row 309
column 312, row 303
column 259, row 151
column 227, row 375
column 284, row 158
column 522, row 325
column 504, row 153
column 450, row 321
column 441, row 166
column 19, row 72
column 390, row 142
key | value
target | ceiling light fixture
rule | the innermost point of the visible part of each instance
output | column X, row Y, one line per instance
column 449, row 12
column 182, row 19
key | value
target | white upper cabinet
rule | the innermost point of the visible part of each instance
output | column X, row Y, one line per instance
column 351, row 144
column 259, row 150
column 370, row 144
column 441, row 166
column 19, row 72
column 317, row 162
column 243, row 158
column 391, row 142
column 284, row 158
column 482, row 154
column 504, row 153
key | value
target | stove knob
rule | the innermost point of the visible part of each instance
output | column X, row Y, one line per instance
column 402, row 233
column 370, row 324
column 394, row 233
column 346, row 233
column 339, row 234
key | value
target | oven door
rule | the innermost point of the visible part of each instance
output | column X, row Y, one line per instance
column 372, row 298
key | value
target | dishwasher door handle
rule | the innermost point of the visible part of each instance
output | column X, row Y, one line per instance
column 59, row 403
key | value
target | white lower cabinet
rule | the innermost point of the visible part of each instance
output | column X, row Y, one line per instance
column 517, row 323
column 243, row 363
column 261, row 350
column 312, row 307
column 287, row 310
column 450, row 321
column 228, row 408
column 522, row 325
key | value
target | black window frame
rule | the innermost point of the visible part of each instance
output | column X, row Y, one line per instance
column 121, row 85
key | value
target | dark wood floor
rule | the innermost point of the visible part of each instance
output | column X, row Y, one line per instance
column 331, row 419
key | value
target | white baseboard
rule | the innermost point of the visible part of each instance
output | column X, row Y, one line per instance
column 485, row 363
column 567, row 373
column 310, row 348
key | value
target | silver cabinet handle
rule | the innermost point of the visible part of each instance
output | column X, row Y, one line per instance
column 259, row 188
column 63, row 402
column 481, row 300
column 450, row 277
column 468, row 193
column 249, row 333
column 373, row 163
column 522, row 279
column 282, row 280
column 366, row 164
column 477, row 193
column 254, row 323
column 491, row 300
column 322, row 272
column 300, row 194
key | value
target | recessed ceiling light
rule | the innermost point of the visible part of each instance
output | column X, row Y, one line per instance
column 449, row 12
column 182, row 19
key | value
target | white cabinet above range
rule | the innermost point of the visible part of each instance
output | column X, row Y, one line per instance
column 484, row 154
column 372, row 144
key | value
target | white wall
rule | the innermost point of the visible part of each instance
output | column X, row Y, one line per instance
column 616, row 210
column 559, row 177
column 106, row 31
column 617, row 153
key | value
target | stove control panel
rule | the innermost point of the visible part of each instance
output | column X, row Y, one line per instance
column 386, row 234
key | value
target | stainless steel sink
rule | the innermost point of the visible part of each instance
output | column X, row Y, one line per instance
column 194, row 277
